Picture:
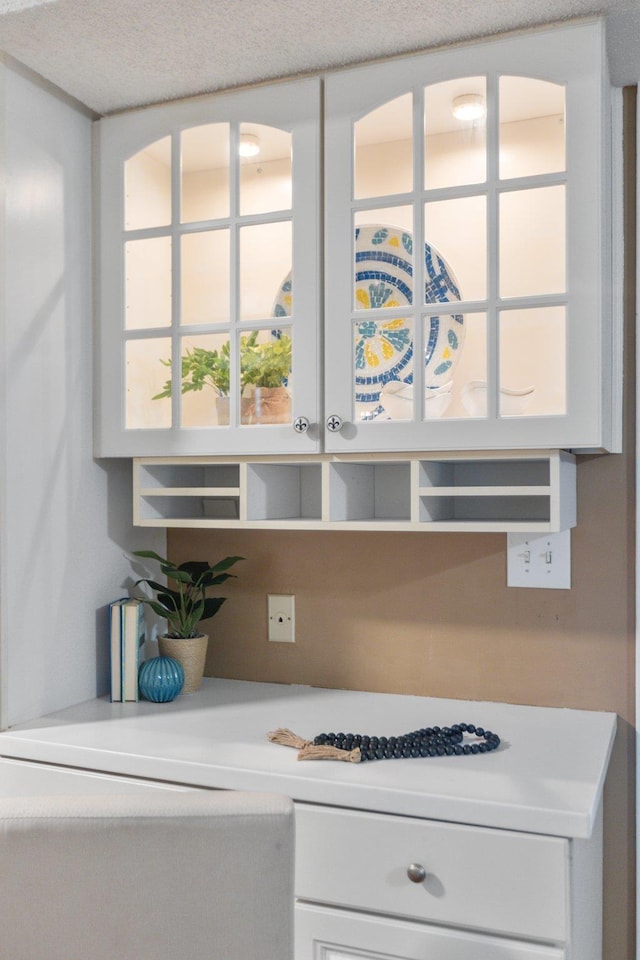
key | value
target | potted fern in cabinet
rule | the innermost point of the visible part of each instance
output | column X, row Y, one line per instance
column 265, row 368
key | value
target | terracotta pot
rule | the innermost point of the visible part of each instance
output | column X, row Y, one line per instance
column 266, row 405
column 190, row 652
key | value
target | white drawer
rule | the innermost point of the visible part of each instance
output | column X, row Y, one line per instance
column 323, row 933
column 483, row 879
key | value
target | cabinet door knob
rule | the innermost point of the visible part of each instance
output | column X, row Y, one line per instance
column 416, row 872
column 301, row 424
column 334, row 423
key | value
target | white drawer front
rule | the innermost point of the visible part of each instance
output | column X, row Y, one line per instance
column 495, row 880
column 326, row 934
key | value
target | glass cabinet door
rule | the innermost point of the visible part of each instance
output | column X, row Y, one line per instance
column 465, row 278
column 210, row 275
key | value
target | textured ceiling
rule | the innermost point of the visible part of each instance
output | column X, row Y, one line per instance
column 114, row 54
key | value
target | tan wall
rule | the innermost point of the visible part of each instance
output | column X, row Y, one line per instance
column 430, row 614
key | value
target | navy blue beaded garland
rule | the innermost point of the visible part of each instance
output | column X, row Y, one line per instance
column 428, row 742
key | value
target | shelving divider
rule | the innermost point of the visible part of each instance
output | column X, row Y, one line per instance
column 415, row 496
column 244, row 508
column 326, row 506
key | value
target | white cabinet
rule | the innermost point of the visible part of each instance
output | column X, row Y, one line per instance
column 488, row 857
column 209, row 275
column 372, row 885
column 468, row 248
column 210, row 269
column 512, row 491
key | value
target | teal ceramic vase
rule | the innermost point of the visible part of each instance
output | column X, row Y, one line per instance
column 160, row 679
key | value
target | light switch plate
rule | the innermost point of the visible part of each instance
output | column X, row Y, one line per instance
column 539, row 560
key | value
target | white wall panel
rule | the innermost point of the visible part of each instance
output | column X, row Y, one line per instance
column 65, row 522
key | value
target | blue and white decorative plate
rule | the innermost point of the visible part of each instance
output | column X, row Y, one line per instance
column 384, row 278
column 384, row 348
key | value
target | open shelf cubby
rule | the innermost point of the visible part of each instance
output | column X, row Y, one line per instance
column 186, row 493
column 469, row 473
column 188, row 475
column 510, row 493
column 284, row 491
column 198, row 510
column 527, row 512
column 502, row 491
column 375, row 491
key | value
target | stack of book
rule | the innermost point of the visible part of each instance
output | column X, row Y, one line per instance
column 127, row 633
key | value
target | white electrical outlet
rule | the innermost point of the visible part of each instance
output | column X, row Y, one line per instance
column 539, row 560
column 281, row 614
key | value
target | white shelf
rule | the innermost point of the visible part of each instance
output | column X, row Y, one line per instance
column 494, row 492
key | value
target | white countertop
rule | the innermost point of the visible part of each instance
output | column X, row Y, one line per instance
column 546, row 777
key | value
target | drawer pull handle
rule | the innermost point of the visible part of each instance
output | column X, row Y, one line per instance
column 416, row 873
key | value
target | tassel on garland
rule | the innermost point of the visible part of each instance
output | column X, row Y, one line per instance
column 288, row 739
column 354, row 748
column 321, row 752
column 307, row 750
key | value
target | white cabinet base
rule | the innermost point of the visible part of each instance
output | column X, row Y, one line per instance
column 510, row 842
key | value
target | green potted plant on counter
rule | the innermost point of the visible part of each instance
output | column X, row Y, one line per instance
column 184, row 607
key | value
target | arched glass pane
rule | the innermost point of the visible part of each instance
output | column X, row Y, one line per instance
column 532, row 127
column 204, row 172
column 383, row 148
column 455, row 132
column 265, row 169
column 147, row 187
